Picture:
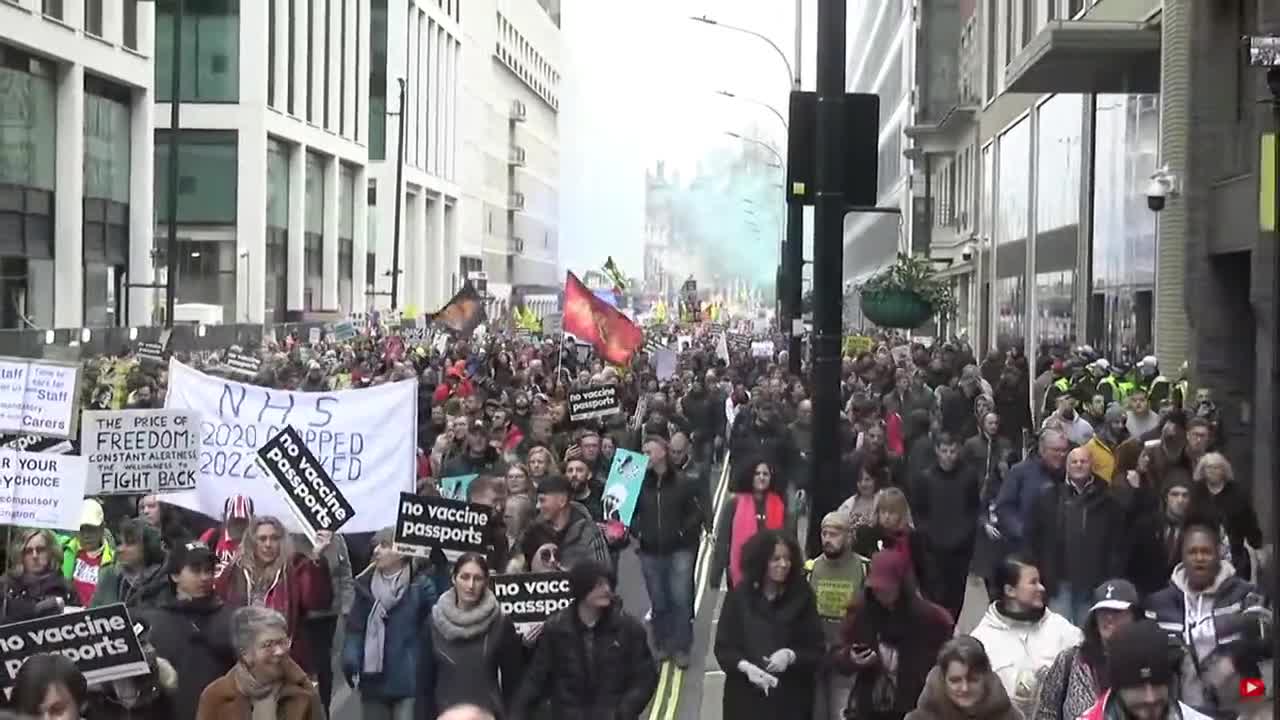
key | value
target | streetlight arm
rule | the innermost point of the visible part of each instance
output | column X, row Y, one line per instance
column 761, row 143
column 791, row 75
column 761, row 103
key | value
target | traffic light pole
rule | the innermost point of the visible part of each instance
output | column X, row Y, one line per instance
column 828, row 259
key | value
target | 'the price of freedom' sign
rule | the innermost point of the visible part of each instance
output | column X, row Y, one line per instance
column 101, row 642
column 594, row 402
column 425, row 523
column 314, row 497
column 140, row 452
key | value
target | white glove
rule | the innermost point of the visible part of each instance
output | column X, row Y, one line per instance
column 992, row 532
column 780, row 660
column 758, row 677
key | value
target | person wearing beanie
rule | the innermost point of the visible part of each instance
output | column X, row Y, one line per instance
column 1022, row 636
column 836, row 577
column 889, row 626
column 1102, row 446
column 224, row 540
column 1079, row 676
column 1157, row 536
column 593, row 659
column 1142, row 670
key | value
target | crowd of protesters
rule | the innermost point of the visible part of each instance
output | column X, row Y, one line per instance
column 1116, row 547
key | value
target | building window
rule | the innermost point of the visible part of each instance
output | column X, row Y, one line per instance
column 1057, row 216
column 355, row 115
column 206, row 198
column 277, row 249
column 28, row 120
column 342, row 72
column 52, row 8
column 313, row 257
column 311, row 57
column 210, row 47
column 346, row 235
column 271, row 52
column 1014, row 173
column 378, row 80
column 93, row 17
column 107, row 128
column 328, row 55
column 293, row 49
column 106, row 204
column 131, row 24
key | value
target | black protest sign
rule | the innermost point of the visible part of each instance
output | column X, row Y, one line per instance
column 101, row 642
column 532, row 597
column 738, row 342
column 150, row 352
column 594, row 402
column 315, row 499
column 424, row 523
column 244, row 365
column 27, row 442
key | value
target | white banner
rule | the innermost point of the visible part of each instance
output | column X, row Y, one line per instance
column 44, row 491
column 38, row 397
column 140, row 452
column 364, row 439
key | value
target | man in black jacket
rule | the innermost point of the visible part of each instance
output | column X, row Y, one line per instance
column 946, row 508
column 668, row 521
column 1078, row 537
column 593, row 658
column 478, row 456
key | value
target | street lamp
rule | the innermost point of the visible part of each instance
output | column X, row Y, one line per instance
column 777, row 113
column 761, row 143
column 793, row 74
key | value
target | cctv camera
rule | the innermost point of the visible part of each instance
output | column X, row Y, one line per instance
column 1157, row 191
column 966, row 254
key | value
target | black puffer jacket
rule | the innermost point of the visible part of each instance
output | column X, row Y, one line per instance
column 31, row 596
column 613, row 681
column 669, row 513
column 1078, row 537
column 195, row 637
column 753, row 443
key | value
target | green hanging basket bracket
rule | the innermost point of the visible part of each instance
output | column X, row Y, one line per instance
column 903, row 309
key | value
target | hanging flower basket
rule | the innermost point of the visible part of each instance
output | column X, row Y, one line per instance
column 906, row 294
column 903, row 309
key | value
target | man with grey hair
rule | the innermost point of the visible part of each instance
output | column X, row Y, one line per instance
column 265, row 683
column 1026, row 482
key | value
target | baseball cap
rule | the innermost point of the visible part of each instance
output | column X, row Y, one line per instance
column 191, row 554
column 554, row 484
column 1139, row 653
column 1117, row 594
column 888, row 569
column 91, row 514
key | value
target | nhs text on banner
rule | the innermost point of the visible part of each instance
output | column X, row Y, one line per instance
column 44, row 491
column 140, row 452
column 364, row 439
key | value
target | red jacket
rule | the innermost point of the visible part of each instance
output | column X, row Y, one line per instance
column 463, row 389
column 305, row 587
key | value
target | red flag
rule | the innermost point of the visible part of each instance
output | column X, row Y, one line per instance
column 594, row 321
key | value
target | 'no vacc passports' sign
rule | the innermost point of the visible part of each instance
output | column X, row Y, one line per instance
column 312, row 495
column 100, row 641
column 593, row 402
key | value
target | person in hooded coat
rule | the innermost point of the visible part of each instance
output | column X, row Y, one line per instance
column 961, row 686
column 770, row 640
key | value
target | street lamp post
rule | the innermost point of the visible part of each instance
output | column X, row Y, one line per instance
column 776, row 112
column 792, row 250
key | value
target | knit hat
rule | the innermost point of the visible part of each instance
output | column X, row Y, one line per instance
column 889, row 569
column 585, row 576
column 837, row 520
column 1140, row 653
column 237, row 507
column 91, row 514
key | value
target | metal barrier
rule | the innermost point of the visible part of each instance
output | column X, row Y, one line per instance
column 73, row 343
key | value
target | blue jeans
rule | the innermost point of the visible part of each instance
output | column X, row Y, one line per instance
column 1072, row 603
column 669, row 580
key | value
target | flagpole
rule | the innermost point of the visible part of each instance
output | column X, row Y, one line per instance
column 559, row 359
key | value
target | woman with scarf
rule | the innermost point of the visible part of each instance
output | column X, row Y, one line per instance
column 1078, row 677
column 269, row 573
column 756, row 505
column 889, row 640
column 770, row 639
column 264, row 684
column 478, row 655
column 34, row 586
column 962, row 685
column 384, row 652
column 137, row 577
column 1021, row 635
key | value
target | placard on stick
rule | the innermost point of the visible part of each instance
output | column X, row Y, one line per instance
column 140, row 452
column 100, row 641
column 594, row 402
column 426, row 523
column 243, row 364
column 313, row 496
column 532, row 597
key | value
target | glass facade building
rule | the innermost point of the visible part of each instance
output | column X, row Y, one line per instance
column 1057, row 216
column 1010, row 223
column 277, row 249
column 313, row 256
column 210, row 47
column 107, row 127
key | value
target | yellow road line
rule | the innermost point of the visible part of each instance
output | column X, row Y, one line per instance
column 675, row 695
column 661, row 693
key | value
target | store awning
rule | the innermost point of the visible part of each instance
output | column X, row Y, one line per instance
column 1088, row 56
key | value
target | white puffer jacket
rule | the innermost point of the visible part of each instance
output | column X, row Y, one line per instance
column 1021, row 652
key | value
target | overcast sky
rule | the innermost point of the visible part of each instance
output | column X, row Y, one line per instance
column 640, row 82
